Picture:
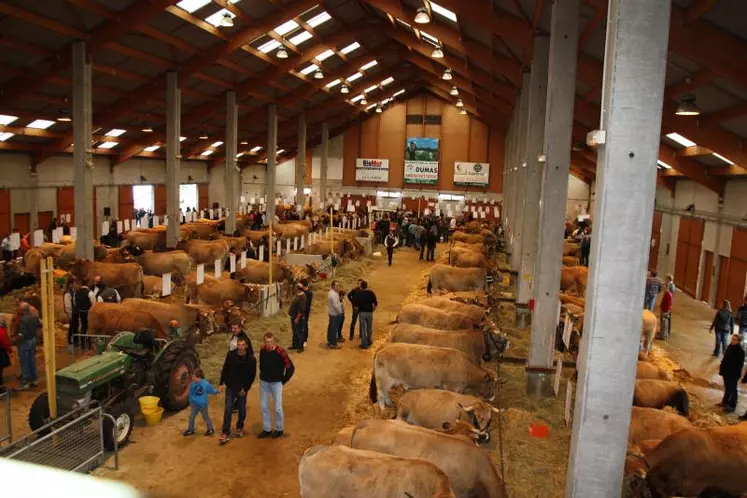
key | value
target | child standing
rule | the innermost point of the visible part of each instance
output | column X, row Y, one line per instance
column 198, row 402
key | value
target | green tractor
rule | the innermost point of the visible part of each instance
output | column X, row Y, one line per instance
column 131, row 365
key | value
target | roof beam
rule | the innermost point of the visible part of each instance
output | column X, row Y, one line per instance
column 591, row 27
column 694, row 151
column 501, row 23
column 698, row 9
column 44, row 22
column 690, row 83
column 727, row 114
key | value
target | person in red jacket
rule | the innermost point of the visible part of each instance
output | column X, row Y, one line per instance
column 6, row 348
column 665, row 327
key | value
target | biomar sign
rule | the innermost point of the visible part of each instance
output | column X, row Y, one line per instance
column 421, row 160
column 472, row 174
column 371, row 170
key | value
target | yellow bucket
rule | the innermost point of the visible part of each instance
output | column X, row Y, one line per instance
column 148, row 404
column 153, row 418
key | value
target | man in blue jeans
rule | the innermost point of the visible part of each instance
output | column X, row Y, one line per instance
column 336, row 314
column 723, row 325
column 275, row 369
column 365, row 301
column 27, row 330
column 239, row 371
column 653, row 288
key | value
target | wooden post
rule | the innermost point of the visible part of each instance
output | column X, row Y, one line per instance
column 331, row 226
column 47, row 295
column 269, row 282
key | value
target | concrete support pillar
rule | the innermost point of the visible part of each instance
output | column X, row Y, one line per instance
column 534, row 169
column 300, row 162
column 507, row 174
column 513, row 170
column 272, row 149
column 632, row 93
column 82, row 153
column 323, row 168
column 34, row 222
column 561, row 89
column 173, row 155
column 232, row 190
column 520, row 174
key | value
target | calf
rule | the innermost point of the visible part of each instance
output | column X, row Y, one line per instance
column 653, row 424
column 476, row 313
column 651, row 393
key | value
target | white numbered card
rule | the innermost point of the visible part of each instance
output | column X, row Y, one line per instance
column 127, row 225
column 218, row 268
column 232, row 262
column 261, row 253
column 38, row 237
column 166, row 281
column 200, row 273
column 295, row 243
column 242, row 261
column 104, row 227
column 74, row 233
column 120, row 227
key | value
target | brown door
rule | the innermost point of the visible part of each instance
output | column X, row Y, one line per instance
column 202, row 194
column 653, row 254
column 680, row 261
column 159, row 200
column 4, row 212
column 45, row 218
column 705, row 291
column 723, row 278
column 66, row 203
column 687, row 262
column 737, row 267
column 22, row 222
column 126, row 203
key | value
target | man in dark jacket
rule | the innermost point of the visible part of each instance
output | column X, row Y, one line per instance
column 275, row 369
column 366, row 303
column 27, row 331
column 390, row 242
column 723, row 325
column 731, row 370
column 237, row 376
column 431, row 239
column 83, row 299
column 307, row 310
column 296, row 311
column 742, row 316
column 351, row 298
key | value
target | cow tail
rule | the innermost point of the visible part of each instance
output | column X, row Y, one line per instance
column 372, row 391
column 681, row 402
column 430, row 286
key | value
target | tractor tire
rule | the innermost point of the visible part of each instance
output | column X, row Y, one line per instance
column 173, row 374
column 39, row 412
column 124, row 416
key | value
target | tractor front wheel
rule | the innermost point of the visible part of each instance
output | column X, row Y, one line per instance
column 120, row 430
column 39, row 413
column 173, row 373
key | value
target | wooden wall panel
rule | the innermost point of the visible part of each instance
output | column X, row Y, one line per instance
column 350, row 152
column 22, row 223
column 478, row 141
column 159, row 200
column 415, row 106
column 5, row 212
column 454, row 145
column 370, row 137
column 705, row 289
column 496, row 156
column 126, row 203
column 66, row 203
column 737, row 268
column 392, row 137
column 308, row 166
column 203, row 195
column 653, row 253
column 44, row 219
column 723, row 279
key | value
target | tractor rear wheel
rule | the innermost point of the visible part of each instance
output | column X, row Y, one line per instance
column 173, row 373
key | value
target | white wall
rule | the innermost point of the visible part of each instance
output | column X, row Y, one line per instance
column 578, row 197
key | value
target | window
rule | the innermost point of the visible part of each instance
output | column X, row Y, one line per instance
column 333, row 83
column 115, row 133
column 325, row 55
column 319, row 19
column 350, row 48
column 41, row 124
column 5, row 120
column 443, row 11
column 728, row 161
column 309, row 69
column 207, row 152
column 152, row 148
column 269, row 46
column 192, row 5
column 256, row 149
column 286, row 27
column 5, row 136
column 356, row 98
column 217, row 144
column 354, row 76
column 108, row 145
column 430, row 38
column 217, row 18
column 369, row 65
column 663, row 165
column 300, row 38
column 142, row 197
column 681, row 140
column 188, row 196
column 400, row 92
column 387, row 81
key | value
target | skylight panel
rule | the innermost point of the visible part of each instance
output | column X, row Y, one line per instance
column 325, row 55
column 5, row 120
column 239, row 155
column 350, row 48
column 443, row 11
column 152, row 148
column 217, row 144
column 663, row 164
column 300, row 38
column 333, row 83
column 354, row 76
column 370, row 88
column 40, row 124
column 371, row 107
column 5, row 136
column 115, row 132
column 400, row 92
column 681, row 140
column 403, row 22
column 387, row 81
column 269, row 46
column 429, row 37
column 386, row 101
column 108, row 145
column 182, row 139
column 256, row 149
column 216, row 18
column 207, row 152
column 309, row 69
column 286, row 27
column 280, row 151
column 192, row 5
column 356, row 98
column 319, row 19
column 728, row 161
column 368, row 66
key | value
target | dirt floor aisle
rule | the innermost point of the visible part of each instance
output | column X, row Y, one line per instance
column 161, row 462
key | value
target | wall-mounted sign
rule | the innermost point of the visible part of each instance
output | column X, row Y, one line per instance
column 421, row 160
column 472, row 174
column 372, row 170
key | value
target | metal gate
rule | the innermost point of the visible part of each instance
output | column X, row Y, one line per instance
column 6, row 432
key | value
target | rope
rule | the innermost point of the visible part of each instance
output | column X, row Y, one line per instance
column 500, row 435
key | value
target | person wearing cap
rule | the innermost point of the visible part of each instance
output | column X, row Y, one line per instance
column 390, row 242
column 296, row 312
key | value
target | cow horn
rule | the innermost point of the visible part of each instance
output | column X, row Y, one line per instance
column 466, row 408
column 497, row 410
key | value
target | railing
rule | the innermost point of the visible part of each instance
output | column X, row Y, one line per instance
column 6, row 431
column 97, row 342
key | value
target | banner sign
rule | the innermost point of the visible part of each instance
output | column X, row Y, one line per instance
column 421, row 160
column 472, row 174
column 371, row 170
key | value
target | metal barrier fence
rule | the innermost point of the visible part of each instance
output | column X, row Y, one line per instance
column 96, row 342
column 6, row 431
column 73, row 442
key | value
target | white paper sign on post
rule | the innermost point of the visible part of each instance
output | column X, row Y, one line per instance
column 482, row 214
column 68, row 218
column 287, row 245
column 166, row 281
column 558, row 374
column 295, row 243
column 38, row 237
column 120, row 227
column 426, row 211
column 166, row 220
column 200, row 273
column 127, row 225
column 15, row 241
column 218, row 268
column 261, row 253
column 232, row 262
column 210, row 212
column 155, row 220
column 56, row 236
column 278, row 248
column 495, row 212
column 242, row 261
column 74, row 233
column 104, row 227
column 303, row 242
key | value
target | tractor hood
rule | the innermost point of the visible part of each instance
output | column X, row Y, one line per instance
column 85, row 375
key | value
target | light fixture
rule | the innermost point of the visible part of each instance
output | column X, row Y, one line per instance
column 147, row 128
column 378, row 108
column 318, row 75
column 459, row 103
column 203, row 136
column 64, row 116
column 344, row 89
column 687, row 106
column 437, row 53
column 226, row 21
column 422, row 17
column 454, row 91
column 463, row 111
column 447, row 75
column 364, row 101
column 245, row 142
column 282, row 53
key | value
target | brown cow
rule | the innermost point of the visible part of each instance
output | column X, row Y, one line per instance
column 646, row 370
column 570, row 261
column 111, row 318
column 202, row 230
column 571, row 249
column 468, row 341
column 178, row 263
column 147, row 240
column 435, row 318
column 476, row 313
column 32, row 261
column 470, row 238
column 648, row 331
column 450, row 279
column 153, row 286
column 236, row 245
column 195, row 321
column 573, row 279
column 258, row 237
column 258, row 272
column 574, row 300
column 479, row 248
column 290, row 231
column 652, row 393
column 465, row 258
column 216, row 291
column 205, row 251
column 126, row 278
column 339, row 471
column 652, row 424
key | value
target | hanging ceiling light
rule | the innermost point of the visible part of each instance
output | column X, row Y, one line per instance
column 687, row 106
column 282, row 53
column 437, row 53
column 459, row 103
column 226, row 21
column 422, row 16
column 454, row 91
column 147, row 128
column 447, row 75
column 463, row 111
column 64, row 116
column 203, row 136
column 378, row 108
column 364, row 101
column 318, row 75
column 245, row 142
column 344, row 89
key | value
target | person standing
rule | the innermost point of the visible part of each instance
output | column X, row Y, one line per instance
column 653, row 288
column 723, row 325
column 7, row 253
column 106, row 294
column 82, row 302
column 340, row 337
column 585, row 246
column 354, row 318
column 237, row 334
column 275, row 370
column 431, row 239
column 420, row 233
column 742, row 316
column 335, row 314
column 237, row 375
column 27, row 333
column 307, row 310
column 731, row 369
column 665, row 307
column 6, row 349
column 198, row 403
column 670, row 284
column 366, row 303
column 296, row 312
column 390, row 242
column 68, row 303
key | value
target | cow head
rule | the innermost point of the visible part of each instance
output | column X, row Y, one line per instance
column 460, row 428
column 496, row 343
column 488, row 387
column 480, row 415
column 206, row 322
column 99, row 251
